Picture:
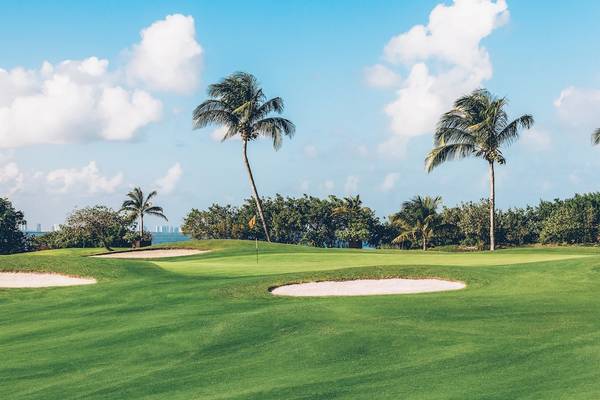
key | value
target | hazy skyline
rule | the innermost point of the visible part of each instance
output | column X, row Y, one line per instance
column 94, row 101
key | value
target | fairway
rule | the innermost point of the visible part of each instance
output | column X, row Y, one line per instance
column 206, row 327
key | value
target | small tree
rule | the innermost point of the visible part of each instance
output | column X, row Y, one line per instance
column 12, row 239
column 96, row 226
column 138, row 205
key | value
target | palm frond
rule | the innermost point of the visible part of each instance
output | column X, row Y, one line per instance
column 274, row 127
column 448, row 152
column 511, row 131
column 217, row 117
column 596, row 137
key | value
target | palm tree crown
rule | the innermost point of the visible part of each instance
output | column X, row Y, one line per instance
column 239, row 104
column 477, row 126
column 139, row 205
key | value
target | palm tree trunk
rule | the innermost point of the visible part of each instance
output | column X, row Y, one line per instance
column 141, row 229
column 255, row 192
column 492, row 208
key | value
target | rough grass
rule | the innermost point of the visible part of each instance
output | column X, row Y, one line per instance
column 205, row 327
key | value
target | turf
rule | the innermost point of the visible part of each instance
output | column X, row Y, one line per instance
column 205, row 327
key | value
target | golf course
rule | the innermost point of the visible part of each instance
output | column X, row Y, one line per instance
column 206, row 326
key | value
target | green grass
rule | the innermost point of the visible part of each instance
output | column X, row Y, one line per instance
column 205, row 327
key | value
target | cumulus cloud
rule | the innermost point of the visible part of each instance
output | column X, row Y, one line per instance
column 578, row 107
column 168, row 56
column 83, row 100
column 381, row 76
column 351, row 185
column 11, row 179
column 328, row 185
column 87, row 178
column 389, row 181
column 444, row 60
column 167, row 183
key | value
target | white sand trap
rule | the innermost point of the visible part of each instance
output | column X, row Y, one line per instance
column 158, row 253
column 39, row 280
column 367, row 287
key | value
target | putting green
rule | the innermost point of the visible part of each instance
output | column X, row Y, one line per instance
column 206, row 327
column 225, row 264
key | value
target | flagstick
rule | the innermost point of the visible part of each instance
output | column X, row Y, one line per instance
column 256, row 240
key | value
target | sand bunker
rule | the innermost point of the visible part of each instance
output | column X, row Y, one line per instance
column 158, row 253
column 39, row 280
column 367, row 287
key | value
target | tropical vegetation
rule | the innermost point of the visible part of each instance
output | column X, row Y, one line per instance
column 138, row 205
column 418, row 221
column 477, row 126
column 239, row 104
column 12, row 221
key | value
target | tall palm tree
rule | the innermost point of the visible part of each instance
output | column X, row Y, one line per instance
column 596, row 137
column 139, row 205
column 239, row 104
column 477, row 126
column 418, row 220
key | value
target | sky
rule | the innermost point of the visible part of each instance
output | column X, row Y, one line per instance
column 96, row 98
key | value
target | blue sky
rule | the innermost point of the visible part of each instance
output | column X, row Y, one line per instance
column 340, row 66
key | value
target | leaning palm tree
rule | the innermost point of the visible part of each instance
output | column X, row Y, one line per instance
column 139, row 205
column 596, row 137
column 239, row 104
column 477, row 126
column 418, row 220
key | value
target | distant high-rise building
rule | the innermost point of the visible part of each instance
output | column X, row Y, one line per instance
column 38, row 228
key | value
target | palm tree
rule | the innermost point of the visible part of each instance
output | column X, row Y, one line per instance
column 477, row 126
column 596, row 137
column 418, row 220
column 138, row 205
column 349, row 206
column 239, row 104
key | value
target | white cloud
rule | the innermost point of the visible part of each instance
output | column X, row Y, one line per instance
column 362, row 150
column 351, row 185
column 167, row 183
column 11, row 179
column 73, row 101
column 381, row 76
column 536, row 139
column 389, row 181
column 310, row 151
column 574, row 178
column 87, row 178
column 328, row 185
column 578, row 107
column 83, row 100
column 304, row 185
column 444, row 60
column 168, row 57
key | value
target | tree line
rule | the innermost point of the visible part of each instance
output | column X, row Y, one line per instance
column 421, row 223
